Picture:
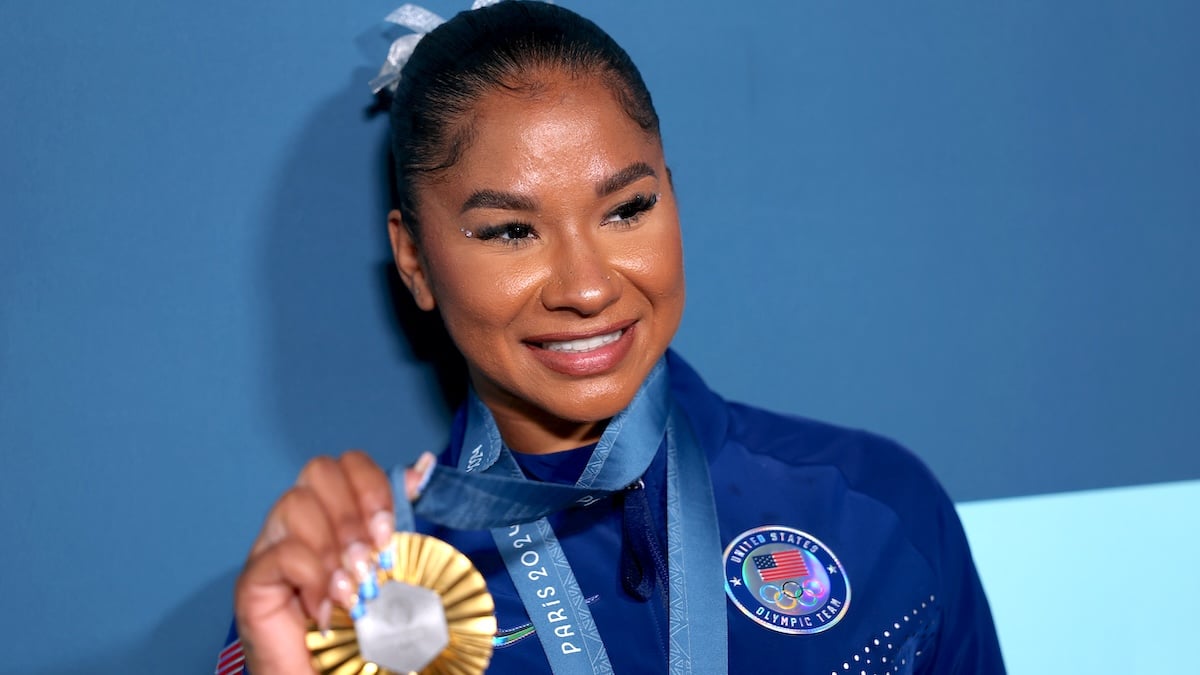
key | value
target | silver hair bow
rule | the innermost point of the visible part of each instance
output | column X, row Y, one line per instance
column 420, row 21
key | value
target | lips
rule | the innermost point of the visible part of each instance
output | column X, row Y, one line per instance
column 583, row 354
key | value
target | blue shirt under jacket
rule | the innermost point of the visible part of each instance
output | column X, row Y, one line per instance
column 865, row 510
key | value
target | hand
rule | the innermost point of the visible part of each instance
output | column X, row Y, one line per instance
column 314, row 550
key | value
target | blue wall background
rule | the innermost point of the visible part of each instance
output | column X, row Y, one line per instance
column 969, row 227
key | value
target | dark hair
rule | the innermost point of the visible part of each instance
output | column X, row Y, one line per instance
column 502, row 46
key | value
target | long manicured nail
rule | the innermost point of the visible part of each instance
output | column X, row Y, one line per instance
column 424, row 469
column 341, row 589
column 358, row 560
column 324, row 614
column 425, row 462
column 381, row 526
column 369, row 589
column 387, row 559
column 358, row 611
column 275, row 532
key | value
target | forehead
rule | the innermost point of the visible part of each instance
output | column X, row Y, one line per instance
column 564, row 128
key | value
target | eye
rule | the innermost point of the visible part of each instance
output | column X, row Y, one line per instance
column 631, row 211
column 509, row 234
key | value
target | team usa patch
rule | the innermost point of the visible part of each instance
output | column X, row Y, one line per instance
column 786, row 580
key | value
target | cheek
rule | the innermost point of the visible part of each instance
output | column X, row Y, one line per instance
column 479, row 295
column 656, row 266
column 671, row 276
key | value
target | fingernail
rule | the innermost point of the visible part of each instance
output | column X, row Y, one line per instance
column 324, row 614
column 387, row 559
column 358, row 611
column 341, row 589
column 425, row 462
column 369, row 588
column 358, row 560
column 423, row 469
column 276, row 532
column 381, row 526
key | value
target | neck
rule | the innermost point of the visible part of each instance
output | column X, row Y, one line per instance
column 528, row 429
column 543, row 434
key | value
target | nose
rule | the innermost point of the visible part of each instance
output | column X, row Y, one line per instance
column 582, row 278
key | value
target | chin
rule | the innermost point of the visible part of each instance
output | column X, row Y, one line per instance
column 591, row 402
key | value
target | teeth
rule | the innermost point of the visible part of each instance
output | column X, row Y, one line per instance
column 584, row 345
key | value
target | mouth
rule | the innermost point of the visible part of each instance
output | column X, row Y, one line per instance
column 582, row 354
column 583, row 344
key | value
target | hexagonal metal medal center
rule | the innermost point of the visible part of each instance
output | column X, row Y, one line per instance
column 404, row 628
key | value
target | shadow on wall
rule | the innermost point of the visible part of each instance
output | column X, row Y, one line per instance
column 340, row 376
column 351, row 358
column 13, row 254
column 185, row 641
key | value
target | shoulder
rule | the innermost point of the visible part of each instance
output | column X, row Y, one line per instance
column 774, row 467
column 831, row 474
column 869, row 462
column 737, row 434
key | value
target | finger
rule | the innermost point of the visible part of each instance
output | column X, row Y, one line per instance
column 373, row 491
column 325, row 477
column 291, row 569
column 279, row 591
column 299, row 513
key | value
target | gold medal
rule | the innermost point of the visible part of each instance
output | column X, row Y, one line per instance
column 425, row 570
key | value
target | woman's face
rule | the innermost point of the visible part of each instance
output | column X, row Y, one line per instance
column 553, row 250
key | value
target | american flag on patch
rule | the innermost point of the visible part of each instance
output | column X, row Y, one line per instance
column 231, row 660
column 781, row 565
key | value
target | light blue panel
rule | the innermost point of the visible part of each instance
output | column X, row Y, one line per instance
column 1101, row 581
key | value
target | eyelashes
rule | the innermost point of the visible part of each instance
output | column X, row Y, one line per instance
column 517, row 233
column 632, row 211
column 509, row 233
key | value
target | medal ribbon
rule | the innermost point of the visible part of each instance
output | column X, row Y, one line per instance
column 489, row 491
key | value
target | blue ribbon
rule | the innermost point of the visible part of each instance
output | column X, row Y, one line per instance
column 489, row 491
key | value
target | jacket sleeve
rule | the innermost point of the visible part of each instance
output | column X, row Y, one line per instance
column 967, row 641
column 231, row 660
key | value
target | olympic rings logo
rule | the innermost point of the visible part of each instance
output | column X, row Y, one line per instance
column 774, row 595
column 808, row 594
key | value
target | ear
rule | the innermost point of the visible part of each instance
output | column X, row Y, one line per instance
column 409, row 261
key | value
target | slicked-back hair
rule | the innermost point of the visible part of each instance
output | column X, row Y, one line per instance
column 505, row 46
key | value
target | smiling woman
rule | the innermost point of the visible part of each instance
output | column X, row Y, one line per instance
column 620, row 512
column 553, row 251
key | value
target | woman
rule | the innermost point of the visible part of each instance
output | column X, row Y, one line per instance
column 536, row 213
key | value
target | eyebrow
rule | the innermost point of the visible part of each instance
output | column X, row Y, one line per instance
column 495, row 199
column 624, row 178
column 511, row 201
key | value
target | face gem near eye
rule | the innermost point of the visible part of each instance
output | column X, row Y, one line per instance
column 552, row 249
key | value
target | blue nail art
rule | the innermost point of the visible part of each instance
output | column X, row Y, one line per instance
column 369, row 589
column 358, row 611
column 387, row 560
